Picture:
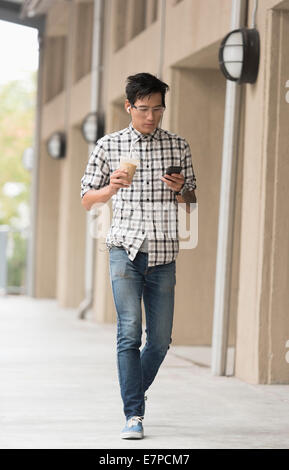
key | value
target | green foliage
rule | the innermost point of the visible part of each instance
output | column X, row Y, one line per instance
column 17, row 108
column 17, row 115
column 16, row 275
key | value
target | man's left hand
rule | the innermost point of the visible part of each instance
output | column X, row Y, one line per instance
column 175, row 181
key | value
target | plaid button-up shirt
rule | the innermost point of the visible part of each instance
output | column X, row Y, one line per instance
column 148, row 207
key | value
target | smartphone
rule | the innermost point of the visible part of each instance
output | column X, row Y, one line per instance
column 173, row 169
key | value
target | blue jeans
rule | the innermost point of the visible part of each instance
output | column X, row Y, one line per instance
column 130, row 280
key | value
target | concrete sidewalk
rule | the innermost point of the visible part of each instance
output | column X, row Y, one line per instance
column 59, row 389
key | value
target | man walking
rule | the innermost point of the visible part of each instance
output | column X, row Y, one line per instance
column 142, row 246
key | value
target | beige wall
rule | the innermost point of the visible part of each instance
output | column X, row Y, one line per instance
column 64, row 111
column 71, row 246
column 47, row 226
column 198, row 104
column 263, row 323
column 258, row 323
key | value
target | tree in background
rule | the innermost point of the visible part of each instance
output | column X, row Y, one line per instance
column 17, row 110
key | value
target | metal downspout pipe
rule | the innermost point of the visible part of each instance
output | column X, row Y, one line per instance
column 162, row 38
column 96, row 70
column 226, row 210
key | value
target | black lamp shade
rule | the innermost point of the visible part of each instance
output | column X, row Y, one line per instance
column 93, row 127
column 239, row 55
column 56, row 145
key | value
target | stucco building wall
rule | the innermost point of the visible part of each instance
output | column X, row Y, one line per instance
column 188, row 61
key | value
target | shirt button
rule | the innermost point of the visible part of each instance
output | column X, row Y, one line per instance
column 147, row 182
column 147, row 199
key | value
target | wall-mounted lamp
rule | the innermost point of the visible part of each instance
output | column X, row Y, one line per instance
column 239, row 55
column 93, row 127
column 56, row 145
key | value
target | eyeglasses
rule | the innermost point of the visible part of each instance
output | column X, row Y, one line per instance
column 144, row 110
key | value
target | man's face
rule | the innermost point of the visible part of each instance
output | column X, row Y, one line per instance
column 146, row 122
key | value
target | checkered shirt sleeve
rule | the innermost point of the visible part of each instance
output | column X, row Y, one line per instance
column 96, row 174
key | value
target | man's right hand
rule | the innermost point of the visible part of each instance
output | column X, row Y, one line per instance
column 119, row 179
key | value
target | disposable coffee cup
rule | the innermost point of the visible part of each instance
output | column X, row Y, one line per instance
column 129, row 164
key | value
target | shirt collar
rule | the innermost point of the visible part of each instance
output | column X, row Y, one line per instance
column 139, row 136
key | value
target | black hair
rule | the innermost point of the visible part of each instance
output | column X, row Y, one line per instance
column 142, row 85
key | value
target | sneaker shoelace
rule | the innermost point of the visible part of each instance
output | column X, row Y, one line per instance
column 134, row 421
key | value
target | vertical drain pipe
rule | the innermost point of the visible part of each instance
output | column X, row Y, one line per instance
column 96, row 69
column 226, row 210
column 162, row 38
